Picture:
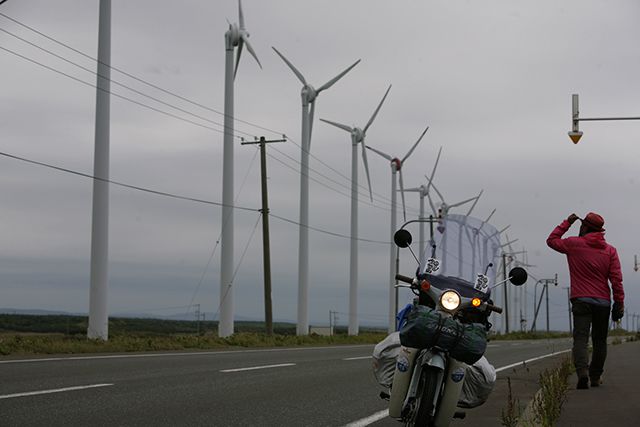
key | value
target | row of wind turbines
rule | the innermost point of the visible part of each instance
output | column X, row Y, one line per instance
column 236, row 38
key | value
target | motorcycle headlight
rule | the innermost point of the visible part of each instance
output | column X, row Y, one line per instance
column 450, row 300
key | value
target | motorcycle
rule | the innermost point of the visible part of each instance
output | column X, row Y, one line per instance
column 428, row 380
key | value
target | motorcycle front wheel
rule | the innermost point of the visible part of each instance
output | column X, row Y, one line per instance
column 421, row 415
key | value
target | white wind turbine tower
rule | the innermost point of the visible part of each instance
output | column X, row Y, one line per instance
column 357, row 137
column 235, row 36
column 309, row 95
column 396, row 168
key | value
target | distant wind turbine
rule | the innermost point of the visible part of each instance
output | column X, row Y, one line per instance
column 309, row 96
column 235, row 36
column 396, row 168
column 357, row 137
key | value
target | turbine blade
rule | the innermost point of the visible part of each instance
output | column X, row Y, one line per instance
column 433, row 171
column 490, row 215
column 412, row 190
column 475, row 203
column 238, row 54
column 433, row 208
column 462, row 202
column 338, row 125
column 415, row 145
column 311, row 114
column 250, row 49
column 404, row 210
column 436, row 189
column 240, row 14
column 331, row 82
column 366, row 169
column 375, row 113
column 294, row 69
column 385, row 155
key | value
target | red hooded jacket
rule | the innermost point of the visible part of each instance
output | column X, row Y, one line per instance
column 592, row 262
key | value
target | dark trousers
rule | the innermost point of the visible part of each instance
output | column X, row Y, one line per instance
column 595, row 318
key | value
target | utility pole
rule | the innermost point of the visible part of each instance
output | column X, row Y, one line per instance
column 198, row 318
column 266, row 255
column 506, row 297
column 545, row 288
column 635, row 263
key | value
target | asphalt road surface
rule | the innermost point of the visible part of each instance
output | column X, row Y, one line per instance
column 327, row 386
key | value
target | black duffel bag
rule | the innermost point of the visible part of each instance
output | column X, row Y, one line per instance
column 427, row 328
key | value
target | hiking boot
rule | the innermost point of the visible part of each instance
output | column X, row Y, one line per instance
column 596, row 382
column 583, row 383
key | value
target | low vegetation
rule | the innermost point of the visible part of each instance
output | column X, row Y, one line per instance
column 25, row 335
column 529, row 335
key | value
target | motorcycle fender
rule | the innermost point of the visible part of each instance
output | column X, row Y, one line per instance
column 435, row 360
column 454, row 379
column 401, row 379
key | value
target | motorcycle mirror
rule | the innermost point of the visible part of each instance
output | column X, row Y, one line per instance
column 518, row 276
column 402, row 238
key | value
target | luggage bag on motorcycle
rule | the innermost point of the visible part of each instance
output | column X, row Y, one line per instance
column 478, row 384
column 427, row 328
column 384, row 359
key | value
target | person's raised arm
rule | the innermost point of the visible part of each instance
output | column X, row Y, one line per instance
column 555, row 241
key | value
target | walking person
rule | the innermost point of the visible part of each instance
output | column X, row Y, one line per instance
column 593, row 263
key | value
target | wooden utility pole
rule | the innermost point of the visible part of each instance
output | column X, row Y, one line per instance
column 266, row 256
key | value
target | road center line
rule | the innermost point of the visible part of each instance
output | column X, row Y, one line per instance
column 56, row 390
column 358, row 358
column 382, row 414
column 253, row 368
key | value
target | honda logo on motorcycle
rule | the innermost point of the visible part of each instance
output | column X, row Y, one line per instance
column 457, row 375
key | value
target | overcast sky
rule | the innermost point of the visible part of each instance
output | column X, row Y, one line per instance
column 492, row 79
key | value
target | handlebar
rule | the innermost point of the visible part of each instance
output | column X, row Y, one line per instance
column 405, row 279
column 495, row 308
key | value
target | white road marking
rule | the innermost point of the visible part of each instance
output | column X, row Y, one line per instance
column 370, row 419
column 57, row 390
column 193, row 353
column 253, row 368
column 532, row 360
column 493, row 345
column 382, row 414
column 358, row 358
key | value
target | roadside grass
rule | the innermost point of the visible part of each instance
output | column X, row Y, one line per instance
column 545, row 407
column 19, row 344
column 529, row 335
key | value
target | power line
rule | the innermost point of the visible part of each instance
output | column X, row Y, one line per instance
column 386, row 200
column 120, row 184
column 237, row 267
column 133, row 76
column 331, row 233
column 112, row 93
column 116, row 82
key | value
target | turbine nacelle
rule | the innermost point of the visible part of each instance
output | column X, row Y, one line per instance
column 358, row 135
column 397, row 162
column 308, row 93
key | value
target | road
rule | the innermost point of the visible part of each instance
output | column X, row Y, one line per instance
column 325, row 386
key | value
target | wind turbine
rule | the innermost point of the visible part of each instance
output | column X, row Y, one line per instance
column 423, row 191
column 396, row 168
column 309, row 95
column 235, row 36
column 357, row 137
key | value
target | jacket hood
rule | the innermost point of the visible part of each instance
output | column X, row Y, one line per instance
column 595, row 240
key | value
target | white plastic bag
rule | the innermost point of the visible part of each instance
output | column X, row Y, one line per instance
column 478, row 384
column 384, row 359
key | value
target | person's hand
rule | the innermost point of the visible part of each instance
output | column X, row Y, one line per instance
column 572, row 218
column 617, row 311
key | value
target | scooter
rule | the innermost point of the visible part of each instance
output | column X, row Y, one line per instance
column 427, row 381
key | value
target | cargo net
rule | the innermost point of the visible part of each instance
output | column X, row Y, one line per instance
column 465, row 247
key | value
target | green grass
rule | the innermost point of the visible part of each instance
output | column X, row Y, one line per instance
column 28, row 335
column 529, row 335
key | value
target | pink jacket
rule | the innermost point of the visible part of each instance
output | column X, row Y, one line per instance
column 592, row 262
